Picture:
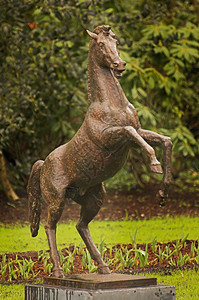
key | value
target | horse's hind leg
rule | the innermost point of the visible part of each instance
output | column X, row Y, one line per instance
column 92, row 203
column 55, row 210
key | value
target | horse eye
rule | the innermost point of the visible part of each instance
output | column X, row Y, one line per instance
column 101, row 44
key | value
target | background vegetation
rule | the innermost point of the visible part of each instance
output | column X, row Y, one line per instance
column 43, row 89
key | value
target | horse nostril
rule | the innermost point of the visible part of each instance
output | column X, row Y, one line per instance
column 116, row 65
column 124, row 63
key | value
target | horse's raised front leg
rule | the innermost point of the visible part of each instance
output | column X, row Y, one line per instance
column 165, row 142
column 115, row 135
column 134, row 135
column 93, row 200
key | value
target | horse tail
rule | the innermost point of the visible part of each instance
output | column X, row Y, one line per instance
column 34, row 197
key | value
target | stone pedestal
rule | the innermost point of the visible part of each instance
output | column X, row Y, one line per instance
column 100, row 287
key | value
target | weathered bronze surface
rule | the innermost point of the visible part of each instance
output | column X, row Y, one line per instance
column 76, row 170
column 100, row 281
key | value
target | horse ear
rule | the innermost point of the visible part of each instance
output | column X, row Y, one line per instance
column 93, row 35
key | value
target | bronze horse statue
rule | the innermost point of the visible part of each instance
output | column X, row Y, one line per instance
column 77, row 169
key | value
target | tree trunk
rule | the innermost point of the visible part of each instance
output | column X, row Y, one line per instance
column 7, row 188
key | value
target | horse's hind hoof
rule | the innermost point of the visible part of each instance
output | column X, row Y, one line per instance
column 103, row 269
column 156, row 168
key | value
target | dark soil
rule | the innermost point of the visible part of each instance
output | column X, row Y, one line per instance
column 134, row 204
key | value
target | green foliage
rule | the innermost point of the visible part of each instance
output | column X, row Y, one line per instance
column 88, row 263
column 123, row 178
column 3, row 267
column 118, row 257
column 188, row 180
column 43, row 94
column 17, row 268
column 67, row 261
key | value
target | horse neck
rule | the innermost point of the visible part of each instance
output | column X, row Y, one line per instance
column 103, row 86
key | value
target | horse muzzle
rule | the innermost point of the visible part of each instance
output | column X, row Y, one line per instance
column 119, row 68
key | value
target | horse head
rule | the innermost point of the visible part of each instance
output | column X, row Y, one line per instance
column 105, row 49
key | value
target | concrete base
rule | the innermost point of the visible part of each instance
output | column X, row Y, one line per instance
column 46, row 292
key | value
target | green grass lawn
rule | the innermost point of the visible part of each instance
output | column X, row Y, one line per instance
column 12, row 291
column 186, row 283
column 18, row 238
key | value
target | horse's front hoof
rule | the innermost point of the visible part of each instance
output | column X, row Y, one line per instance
column 103, row 269
column 162, row 202
column 58, row 273
column 162, row 196
column 156, row 168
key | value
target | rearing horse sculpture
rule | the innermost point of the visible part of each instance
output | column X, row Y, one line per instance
column 99, row 149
